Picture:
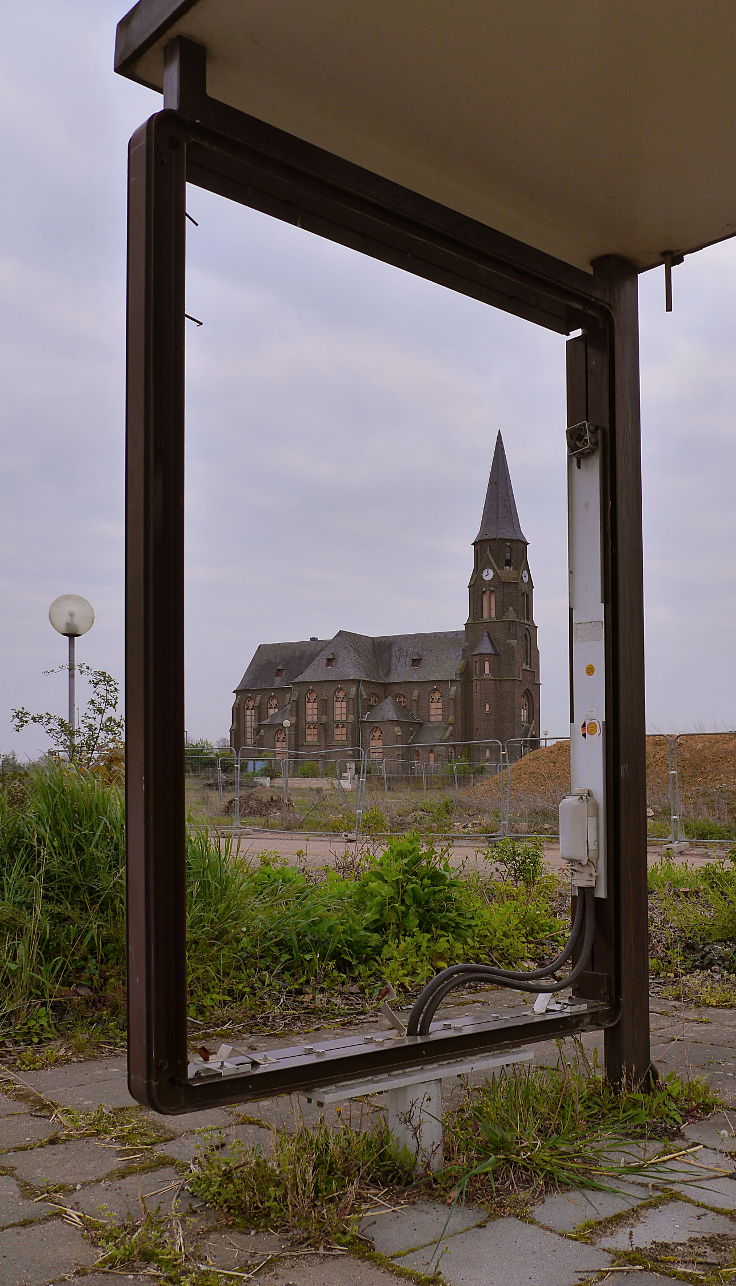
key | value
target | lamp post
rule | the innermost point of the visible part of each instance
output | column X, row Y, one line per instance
column 72, row 615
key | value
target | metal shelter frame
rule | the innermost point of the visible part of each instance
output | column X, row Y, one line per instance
column 196, row 139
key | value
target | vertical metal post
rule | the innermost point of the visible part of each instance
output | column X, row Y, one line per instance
column 603, row 389
column 154, row 659
column 72, row 694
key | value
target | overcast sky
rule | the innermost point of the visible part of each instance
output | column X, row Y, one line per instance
column 341, row 422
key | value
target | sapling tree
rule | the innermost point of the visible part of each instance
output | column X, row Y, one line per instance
column 100, row 727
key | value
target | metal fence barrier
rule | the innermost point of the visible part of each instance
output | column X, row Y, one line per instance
column 476, row 790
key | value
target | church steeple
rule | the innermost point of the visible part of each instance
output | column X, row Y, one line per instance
column 500, row 519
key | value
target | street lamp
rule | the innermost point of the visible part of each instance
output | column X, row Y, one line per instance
column 72, row 615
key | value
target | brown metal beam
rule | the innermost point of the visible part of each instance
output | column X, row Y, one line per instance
column 268, row 170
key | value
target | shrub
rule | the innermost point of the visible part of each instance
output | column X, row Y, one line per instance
column 521, row 861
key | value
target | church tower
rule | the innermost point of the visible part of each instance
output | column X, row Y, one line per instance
column 501, row 657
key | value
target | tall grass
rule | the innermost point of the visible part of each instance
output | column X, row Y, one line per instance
column 254, row 926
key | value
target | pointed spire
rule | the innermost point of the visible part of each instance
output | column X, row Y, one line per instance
column 500, row 520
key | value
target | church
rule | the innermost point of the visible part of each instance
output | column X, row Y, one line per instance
column 411, row 698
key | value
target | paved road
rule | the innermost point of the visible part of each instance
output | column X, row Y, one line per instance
column 316, row 850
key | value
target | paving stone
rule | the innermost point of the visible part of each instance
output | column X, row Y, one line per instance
column 213, row 1118
column 134, row 1194
column 105, row 1279
column 84, row 1085
column 715, row 1132
column 420, row 1225
column 508, row 1252
column 619, row 1279
column 188, row 1146
column 675, row 1223
column 306, row 1270
column 565, row 1210
column 42, row 1252
column 24, row 1128
column 9, row 1105
column 236, row 1250
column 700, row 1177
column 14, row 1206
column 75, row 1162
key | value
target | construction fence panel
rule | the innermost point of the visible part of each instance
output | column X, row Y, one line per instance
column 534, row 784
column 705, row 778
column 449, row 790
column 482, row 789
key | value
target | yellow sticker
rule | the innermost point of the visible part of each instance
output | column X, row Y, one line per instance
column 592, row 729
column 590, row 669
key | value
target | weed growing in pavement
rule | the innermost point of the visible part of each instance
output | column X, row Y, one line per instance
column 518, row 1136
column 540, row 1129
column 313, row 1182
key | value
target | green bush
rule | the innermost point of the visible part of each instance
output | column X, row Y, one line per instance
column 521, row 861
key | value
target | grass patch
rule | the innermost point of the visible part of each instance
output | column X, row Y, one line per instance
column 541, row 1129
column 511, row 1141
column 314, row 1183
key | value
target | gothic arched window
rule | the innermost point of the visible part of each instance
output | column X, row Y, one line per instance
column 524, row 605
column 341, row 732
column 373, row 699
column 280, row 742
column 273, row 705
column 310, row 705
column 487, row 665
column 488, row 605
column 401, row 699
column 310, row 734
column 376, row 743
column 435, row 706
column 507, row 557
column 527, row 648
column 340, row 705
column 527, row 709
column 249, row 721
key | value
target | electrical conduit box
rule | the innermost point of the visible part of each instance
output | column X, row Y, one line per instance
column 579, row 836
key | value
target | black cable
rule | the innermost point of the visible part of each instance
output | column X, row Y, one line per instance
column 510, row 974
column 426, row 1005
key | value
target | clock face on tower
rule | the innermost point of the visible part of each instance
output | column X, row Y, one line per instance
column 525, row 576
column 487, row 573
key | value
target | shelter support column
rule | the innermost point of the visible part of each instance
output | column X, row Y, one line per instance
column 603, row 390
column 154, row 659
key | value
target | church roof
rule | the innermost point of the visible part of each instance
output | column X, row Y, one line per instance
column 389, row 658
column 500, row 519
column 420, row 657
column 486, row 647
column 389, row 711
column 346, row 656
column 431, row 734
column 289, row 658
column 278, row 716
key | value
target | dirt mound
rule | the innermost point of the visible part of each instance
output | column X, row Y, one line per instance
column 706, row 761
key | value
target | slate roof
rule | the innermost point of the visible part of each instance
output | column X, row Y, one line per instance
column 386, row 659
column 278, row 716
column 500, row 519
column 269, row 657
column 389, row 711
column 486, row 647
column 439, row 654
column 353, row 657
column 431, row 734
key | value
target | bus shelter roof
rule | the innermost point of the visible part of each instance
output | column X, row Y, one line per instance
column 580, row 127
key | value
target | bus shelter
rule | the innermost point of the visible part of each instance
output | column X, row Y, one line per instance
column 536, row 157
